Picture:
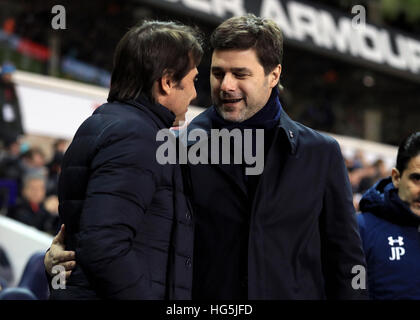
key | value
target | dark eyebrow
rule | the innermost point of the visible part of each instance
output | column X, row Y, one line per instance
column 241, row 70
column 216, row 69
column 238, row 70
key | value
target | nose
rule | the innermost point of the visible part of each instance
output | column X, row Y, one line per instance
column 194, row 94
column 228, row 83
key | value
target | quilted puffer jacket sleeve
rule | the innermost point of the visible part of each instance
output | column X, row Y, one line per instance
column 119, row 190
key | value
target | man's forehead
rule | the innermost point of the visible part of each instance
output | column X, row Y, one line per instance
column 413, row 165
column 234, row 57
column 415, row 162
column 232, row 66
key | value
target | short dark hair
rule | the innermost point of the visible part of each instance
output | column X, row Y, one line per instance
column 150, row 50
column 408, row 149
column 250, row 31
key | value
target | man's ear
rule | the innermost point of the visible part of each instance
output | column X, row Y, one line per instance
column 274, row 76
column 166, row 83
column 395, row 174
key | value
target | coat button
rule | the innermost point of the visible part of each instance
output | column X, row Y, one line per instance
column 188, row 262
column 291, row 133
column 188, row 215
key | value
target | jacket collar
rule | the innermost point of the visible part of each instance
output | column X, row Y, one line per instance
column 203, row 122
column 290, row 131
column 165, row 116
column 383, row 201
column 286, row 127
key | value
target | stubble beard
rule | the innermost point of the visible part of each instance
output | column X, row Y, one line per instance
column 244, row 113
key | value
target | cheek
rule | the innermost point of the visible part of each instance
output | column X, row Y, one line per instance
column 250, row 87
column 247, row 92
column 214, row 83
column 416, row 191
column 409, row 192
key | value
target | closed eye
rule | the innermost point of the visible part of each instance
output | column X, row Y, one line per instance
column 218, row 75
column 415, row 177
column 240, row 75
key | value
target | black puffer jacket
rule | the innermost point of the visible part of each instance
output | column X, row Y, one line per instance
column 125, row 214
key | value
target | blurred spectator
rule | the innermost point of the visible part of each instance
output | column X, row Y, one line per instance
column 371, row 174
column 10, row 173
column 33, row 208
column 10, row 116
column 363, row 175
column 14, row 165
column 359, row 160
column 6, row 271
column 383, row 171
column 54, row 166
column 33, row 162
column 9, row 25
column 10, row 166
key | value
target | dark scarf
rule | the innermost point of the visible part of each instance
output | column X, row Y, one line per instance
column 267, row 118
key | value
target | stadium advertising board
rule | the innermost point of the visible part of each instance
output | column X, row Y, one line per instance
column 318, row 28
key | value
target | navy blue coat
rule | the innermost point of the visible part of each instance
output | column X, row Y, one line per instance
column 125, row 214
column 296, row 239
column 391, row 239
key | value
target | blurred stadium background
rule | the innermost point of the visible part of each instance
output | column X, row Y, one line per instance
column 360, row 85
